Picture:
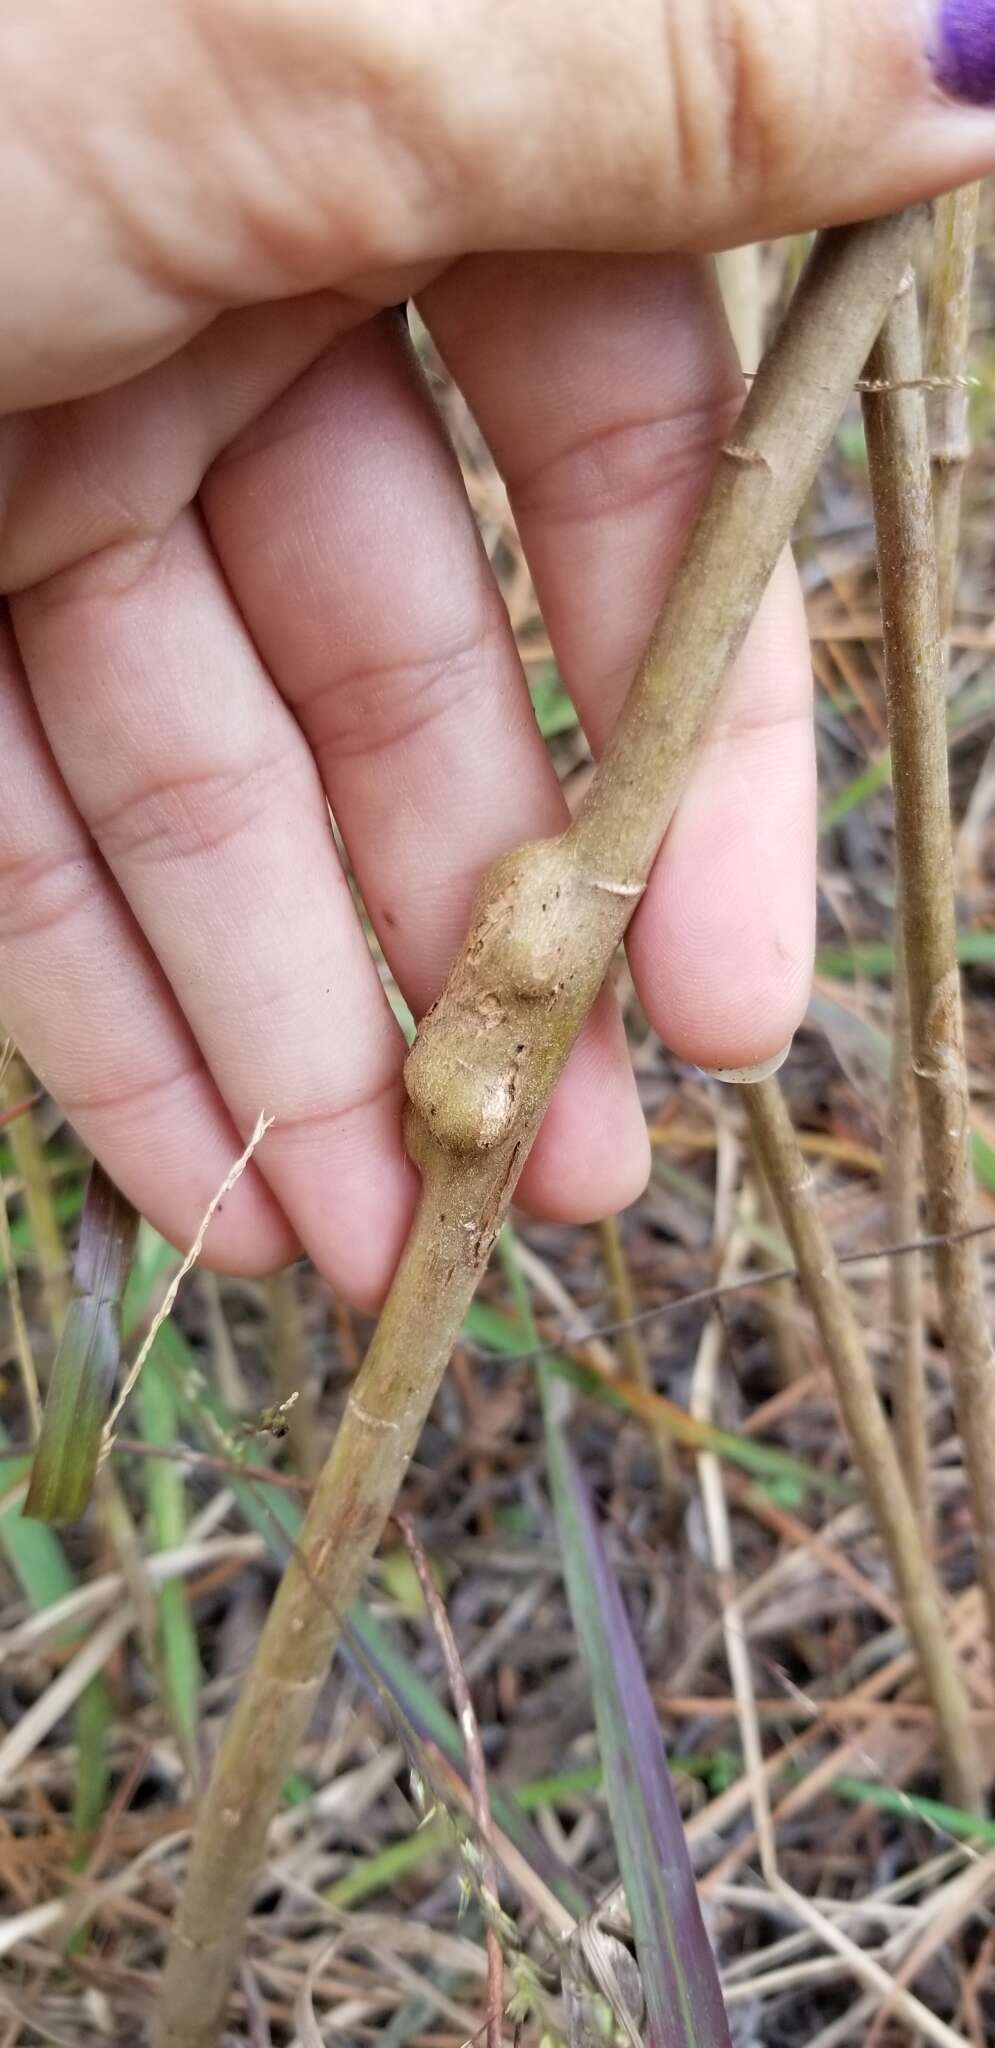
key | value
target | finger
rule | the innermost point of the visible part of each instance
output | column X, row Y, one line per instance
column 205, row 803
column 255, row 152
column 118, row 467
column 344, row 530
column 83, row 997
column 604, row 387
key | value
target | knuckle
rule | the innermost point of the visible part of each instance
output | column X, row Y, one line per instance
column 40, row 889
column 188, row 815
column 367, row 710
column 745, row 75
column 617, row 464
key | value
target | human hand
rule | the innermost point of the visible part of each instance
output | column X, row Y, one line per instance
column 244, row 582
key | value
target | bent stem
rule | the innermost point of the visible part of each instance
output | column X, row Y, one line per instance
column 898, row 451
column 545, row 926
column 870, row 1438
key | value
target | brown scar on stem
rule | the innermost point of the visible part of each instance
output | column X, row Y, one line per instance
column 750, row 456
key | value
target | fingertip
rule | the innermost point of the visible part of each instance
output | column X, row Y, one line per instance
column 723, row 953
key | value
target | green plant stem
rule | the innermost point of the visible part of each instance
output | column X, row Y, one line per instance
column 947, row 344
column 870, row 1437
column 546, row 923
column 898, row 452
column 177, row 1662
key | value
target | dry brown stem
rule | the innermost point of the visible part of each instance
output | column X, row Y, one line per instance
column 870, row 1438
column 947, row 343
column 545, row 926
column 632, row 1350
column 295, row 1373
column 914, row 674
column 901, row 1196
column 476, row 1769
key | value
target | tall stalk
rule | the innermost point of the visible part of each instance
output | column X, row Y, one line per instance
column 948, row 339
column 545, row 925
column 898, row 450
column 632, row 1352
column 947, row 344
column 902, row 1169
column 870, row 1438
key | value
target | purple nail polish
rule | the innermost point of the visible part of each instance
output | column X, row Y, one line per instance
column 964, row 53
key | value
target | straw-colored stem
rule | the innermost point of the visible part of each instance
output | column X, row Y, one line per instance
column 901, row 1198
column 32, row 1172
column 778, row 1304
column 898, row 450
column 867, row 1428
column 947, row 344
column 545, row 926
column 742, row 295
column 294, row 1373
column 632, row 1350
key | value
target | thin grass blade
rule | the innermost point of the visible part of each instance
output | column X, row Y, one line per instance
column 87, row 1359
column 165, row 1492
column 43, row 1571
column 680, row 1981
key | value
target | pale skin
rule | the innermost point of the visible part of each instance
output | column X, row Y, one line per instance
column 242, row 577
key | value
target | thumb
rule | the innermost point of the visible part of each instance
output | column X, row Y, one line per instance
column 700, row 124
column 423, row 129
column 164, row 162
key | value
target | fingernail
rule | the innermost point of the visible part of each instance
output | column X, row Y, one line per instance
column 761, row 1072
column 963, row 55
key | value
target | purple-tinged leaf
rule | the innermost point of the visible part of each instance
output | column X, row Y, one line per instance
column 684, row 2004
column 87, row 1359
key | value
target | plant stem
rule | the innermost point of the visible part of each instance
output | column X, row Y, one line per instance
column 32, row 1172
column 742, row 296
column 476, row 1772
column 947, row 343
column 294, row 1373
column 632, row 1351
column 901, row 1198
column 545, row 925
column 870, row 1438
column 898, row 452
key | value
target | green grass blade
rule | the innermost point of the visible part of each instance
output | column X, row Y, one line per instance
column 876, row 776
column 877, row 961
column 87, row 1359
column 554, row 711
column 44, row 1574
column 684, row 2003
column 680, row 1979
column 376, row 1873
column 165, row 1492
